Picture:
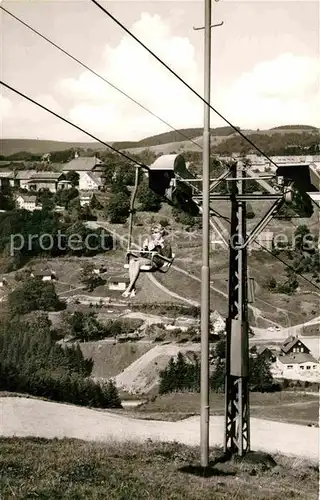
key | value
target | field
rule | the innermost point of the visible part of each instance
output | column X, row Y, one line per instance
column 295, row 408
column 39, row 468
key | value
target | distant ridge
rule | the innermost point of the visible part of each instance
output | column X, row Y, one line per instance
column 12, row 146
column 174, row 136
column 295, row 127
column 35, row 146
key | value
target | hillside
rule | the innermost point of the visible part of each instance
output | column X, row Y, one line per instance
column 173, row 136
column 181, row 137
column 295, row 127
column 272, row 142
column 12, row 146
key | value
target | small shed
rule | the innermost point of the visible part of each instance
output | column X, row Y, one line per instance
column 118, row 283
column 45, row 275
column 3, row 281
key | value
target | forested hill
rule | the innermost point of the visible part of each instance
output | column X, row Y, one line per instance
column 296, row 127
column 173, row 136
column 10, row 147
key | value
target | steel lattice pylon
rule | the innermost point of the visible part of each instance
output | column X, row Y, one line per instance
column 237, row 419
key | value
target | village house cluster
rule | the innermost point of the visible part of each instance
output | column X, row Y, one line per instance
column 89, row 169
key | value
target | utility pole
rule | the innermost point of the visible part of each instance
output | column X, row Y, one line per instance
column 205, row 269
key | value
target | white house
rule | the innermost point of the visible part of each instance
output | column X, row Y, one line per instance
column 118, row 283
column 296, row 362
column 297, row 365
column 27, row 202
column 45, row 275
column 85, row 198
column 89, row 169
column 293, row 345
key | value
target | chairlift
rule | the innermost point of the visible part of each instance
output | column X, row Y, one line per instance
column 136, row 253
column 152, row 267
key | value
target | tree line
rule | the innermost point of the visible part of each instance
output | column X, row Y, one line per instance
column 31, row 361
column 30, row 229
column 184, row 375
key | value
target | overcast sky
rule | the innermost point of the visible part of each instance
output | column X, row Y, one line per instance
column 265, row 66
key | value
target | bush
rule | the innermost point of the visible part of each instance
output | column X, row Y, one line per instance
column 164, row 222
column 149, row 201
column 33, row 295
column 118, row 208
column 184, row 218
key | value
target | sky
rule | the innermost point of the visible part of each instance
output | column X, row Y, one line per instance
column 265, row 66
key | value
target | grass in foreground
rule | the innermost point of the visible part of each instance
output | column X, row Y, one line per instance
column 71, row 469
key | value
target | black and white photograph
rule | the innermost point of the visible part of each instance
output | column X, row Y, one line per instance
column 159, row 249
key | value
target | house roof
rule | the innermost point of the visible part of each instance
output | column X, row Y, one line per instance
column 45, row 176
column 6, row 175
column 262, row 348
column 24, row 174
column 297, row 358
column 28, row 198
column 44, row 273
column 291, row 342
column 83, row 163
column 118, row 279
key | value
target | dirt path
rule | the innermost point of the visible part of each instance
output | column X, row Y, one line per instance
column 30, row 417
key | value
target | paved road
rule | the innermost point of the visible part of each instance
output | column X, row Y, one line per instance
column 30, row 417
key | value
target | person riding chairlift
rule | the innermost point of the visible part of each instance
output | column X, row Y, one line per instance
column 155, row 243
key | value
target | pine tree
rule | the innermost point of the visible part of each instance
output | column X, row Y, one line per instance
column 181, row 371
column 217, row 379
column 112, row 398
column 167, row 377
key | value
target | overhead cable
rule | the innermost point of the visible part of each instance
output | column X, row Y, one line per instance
column 105, row 11
column 124, row 155
column 64, row 51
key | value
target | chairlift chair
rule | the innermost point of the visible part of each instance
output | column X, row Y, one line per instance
column 142, row 253
column 151, row 267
